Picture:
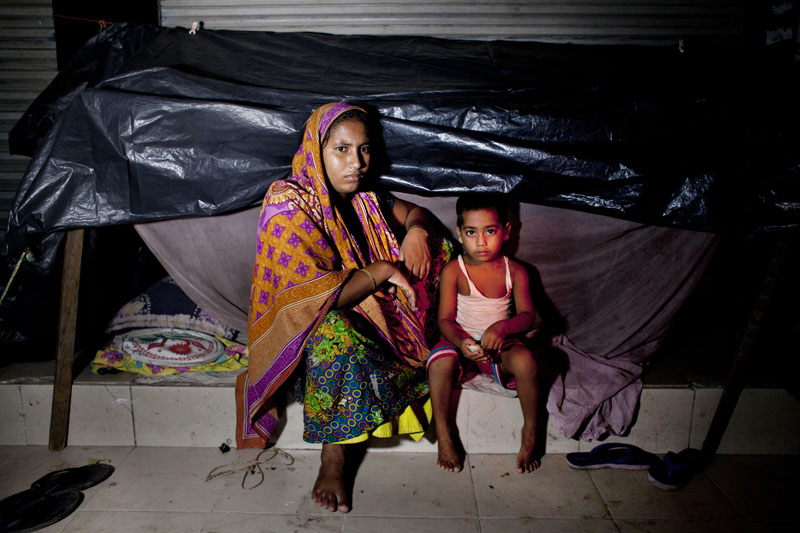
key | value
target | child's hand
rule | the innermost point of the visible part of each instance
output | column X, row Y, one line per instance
column 473, row 351
column 494, row 337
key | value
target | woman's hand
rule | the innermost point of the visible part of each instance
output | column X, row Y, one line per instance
column 494, row 337
column 367, row 280
column 416, row 255
column 397, row 279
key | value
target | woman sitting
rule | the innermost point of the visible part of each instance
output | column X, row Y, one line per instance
column 333, row 283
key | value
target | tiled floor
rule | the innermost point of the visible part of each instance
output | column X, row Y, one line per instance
column 165, row 489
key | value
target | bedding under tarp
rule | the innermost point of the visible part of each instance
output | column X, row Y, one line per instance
column 627, row 162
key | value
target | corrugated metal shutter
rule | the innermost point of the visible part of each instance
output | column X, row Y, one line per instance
column 593, row 21
column 27, row 64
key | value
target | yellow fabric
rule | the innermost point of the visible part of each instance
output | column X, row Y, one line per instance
column 408, row 423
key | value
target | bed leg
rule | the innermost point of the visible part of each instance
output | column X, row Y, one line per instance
column 65, row 351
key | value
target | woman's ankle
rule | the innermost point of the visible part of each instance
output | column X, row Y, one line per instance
column 332, row 452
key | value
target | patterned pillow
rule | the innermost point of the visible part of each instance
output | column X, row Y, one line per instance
column 171, row 347
column 165, row 305
column 112, row 359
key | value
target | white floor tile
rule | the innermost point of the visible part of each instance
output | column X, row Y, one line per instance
column 766, row 421
column 286, row 488
column 258, row 523
column 630, row 496
column 59, row 526
column 12, row 419
column 136, row 521
column 705, row 404
column 683, row 526
column 663, row 423
column 494, row 424
column 763, row 488
column 165, row 489
column 506, row 427
column 552, row 491
column 558, row 443
column 36, row 402
column 24, row 465
column 100, row 415
column 548, row 525
column 670, row 419
column 760, row 416
column 183, row 416
column 11, row 452
column 365, row 524
column 411, row 485
column 161, row 479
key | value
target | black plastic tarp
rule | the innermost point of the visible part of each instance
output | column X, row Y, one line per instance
column 151, row 123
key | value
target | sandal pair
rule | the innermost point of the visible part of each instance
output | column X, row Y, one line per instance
column 51, row 498
column 672, row 472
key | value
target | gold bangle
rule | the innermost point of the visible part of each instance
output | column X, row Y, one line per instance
column 370, row 276
column 417, row 228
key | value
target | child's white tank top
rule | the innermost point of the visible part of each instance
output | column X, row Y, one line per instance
column 475, row 312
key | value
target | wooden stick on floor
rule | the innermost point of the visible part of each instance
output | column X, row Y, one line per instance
column 65, row 351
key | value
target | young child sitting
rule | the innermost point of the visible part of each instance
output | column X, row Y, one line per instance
column 485, row 303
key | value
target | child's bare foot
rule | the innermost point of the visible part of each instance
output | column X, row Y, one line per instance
column 526, row 462
column 451, row 456
column 329, row 491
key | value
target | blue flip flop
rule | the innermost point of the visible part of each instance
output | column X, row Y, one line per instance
column 676, row 469
column 612, row 455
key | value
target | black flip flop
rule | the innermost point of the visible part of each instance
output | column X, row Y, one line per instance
column 78, row 478
column 32, row 509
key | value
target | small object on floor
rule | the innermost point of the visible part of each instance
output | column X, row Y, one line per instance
column 32, row 509
column 78, row 478
column 676, row 469
column 224, row 448
column 253, row 467
column 612, row 455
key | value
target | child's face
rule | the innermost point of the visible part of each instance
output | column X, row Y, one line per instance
column 482, row 234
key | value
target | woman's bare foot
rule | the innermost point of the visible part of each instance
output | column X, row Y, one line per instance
column 329, row 491
column 526, row 462
column 451, row 455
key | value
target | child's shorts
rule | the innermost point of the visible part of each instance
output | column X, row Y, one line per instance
column 445, row 348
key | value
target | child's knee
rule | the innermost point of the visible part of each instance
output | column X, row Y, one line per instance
column 522, row 361
column 443, row 365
